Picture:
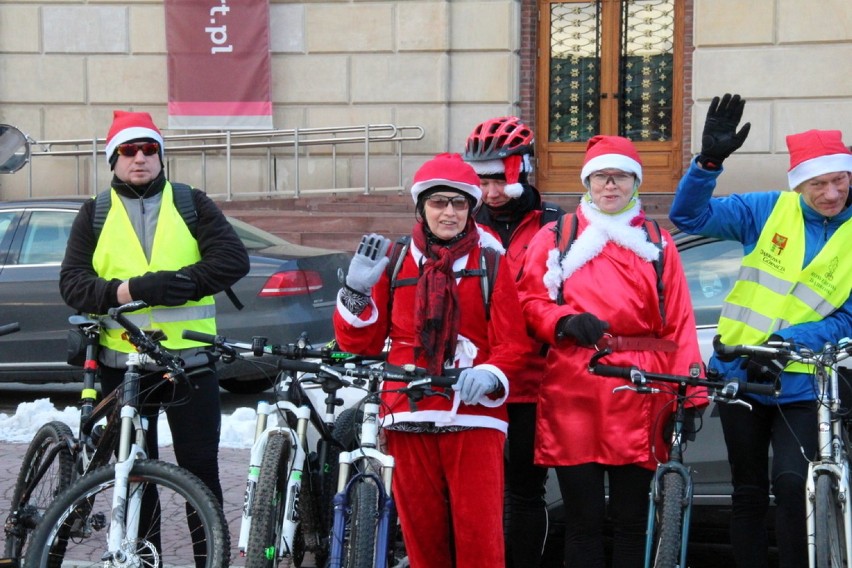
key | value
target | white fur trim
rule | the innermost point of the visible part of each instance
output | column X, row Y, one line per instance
column 488, row 240
column 133, row 133
column 472, row 190
column 817, row 167
column 601, row 229
column 488, row 167
column 614, row 161
column 514, row 190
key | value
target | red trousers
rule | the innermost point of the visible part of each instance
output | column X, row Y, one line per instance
column 449, row 493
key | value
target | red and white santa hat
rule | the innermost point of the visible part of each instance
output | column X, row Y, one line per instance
column 611, row 152
column 511, row 167
column 127, row 126
column 447, row 170
column 814, row 153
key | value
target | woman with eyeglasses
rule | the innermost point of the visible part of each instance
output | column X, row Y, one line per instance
column 133, row 242
column 604, row 290
column 448, row 483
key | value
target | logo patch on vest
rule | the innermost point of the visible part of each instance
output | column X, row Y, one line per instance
column 779, row 242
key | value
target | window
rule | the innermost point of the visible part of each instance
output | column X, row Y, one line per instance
column 46, row 237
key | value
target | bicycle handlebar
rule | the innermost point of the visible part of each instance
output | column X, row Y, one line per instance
column 415, row 376
column 142, row 341
column 9, row 328
column 259, row 346
column 786, row 352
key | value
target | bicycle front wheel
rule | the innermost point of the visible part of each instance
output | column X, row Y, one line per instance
column 45, row 472
column 830, row 534
column 268, row 510
column 180, row 522
column 362, row 527
column 669, row 522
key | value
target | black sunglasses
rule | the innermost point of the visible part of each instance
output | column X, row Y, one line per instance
column 130, row 150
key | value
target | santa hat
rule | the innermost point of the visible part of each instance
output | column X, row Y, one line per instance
column 510, row 167
column 127, row 126
column 616, row 152
column 814, row 153
column 447, row 170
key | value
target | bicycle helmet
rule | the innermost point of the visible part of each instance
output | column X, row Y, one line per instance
column 498, row 138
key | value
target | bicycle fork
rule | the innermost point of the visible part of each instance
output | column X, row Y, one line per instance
column 294, row 482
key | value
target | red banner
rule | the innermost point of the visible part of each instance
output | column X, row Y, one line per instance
column 218, row 61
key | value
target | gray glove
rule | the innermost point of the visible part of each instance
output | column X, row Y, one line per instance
column 472, row 384
column 369, row 262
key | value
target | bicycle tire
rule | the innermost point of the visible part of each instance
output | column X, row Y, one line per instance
column 30, row 498
column 669, row 521
column 830, row 536
column 269, row 504
column 362, row 526
column 76, row 524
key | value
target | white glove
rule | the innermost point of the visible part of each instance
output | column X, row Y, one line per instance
column 473, row 384
column 369, row 262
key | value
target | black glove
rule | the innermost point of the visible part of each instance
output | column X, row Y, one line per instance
column 163, row 288
column 763, row 369
column 720, row 138
column 585, row 328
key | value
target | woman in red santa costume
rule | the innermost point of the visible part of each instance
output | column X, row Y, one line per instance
column 604, row 291
column 448, row 483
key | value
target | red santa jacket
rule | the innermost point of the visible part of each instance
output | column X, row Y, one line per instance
column 607, row 272
column 496, row 344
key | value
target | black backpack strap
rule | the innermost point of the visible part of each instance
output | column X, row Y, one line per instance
column 185, row 204
column 549, row 212
column 489, row 260
column 397, row 257
column 652, row 229
column 564, row 240
column 102, row 204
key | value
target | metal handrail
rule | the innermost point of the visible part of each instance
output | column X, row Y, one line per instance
column 229, row 142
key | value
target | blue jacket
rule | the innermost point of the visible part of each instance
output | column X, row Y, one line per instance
column 741, row 217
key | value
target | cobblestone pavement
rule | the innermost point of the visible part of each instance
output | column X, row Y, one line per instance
column 233, row 466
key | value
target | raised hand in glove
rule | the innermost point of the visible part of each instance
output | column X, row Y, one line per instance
column 163, row 288
column 369, row 262
column 585, row 328
column 720, row 138
column 473, row 384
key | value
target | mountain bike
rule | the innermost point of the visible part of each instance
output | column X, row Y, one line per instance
column 134, row 512
column 287, row 509
column 829, row 517
column 670, row 500
column 55, row 457
column 364, row 524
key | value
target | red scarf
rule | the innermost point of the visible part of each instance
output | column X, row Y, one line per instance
column 437, row 301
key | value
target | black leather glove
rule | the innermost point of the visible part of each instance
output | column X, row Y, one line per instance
column 585, row 328
column 720, row 138
column 163, row 288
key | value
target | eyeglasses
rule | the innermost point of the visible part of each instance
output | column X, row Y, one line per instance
column 601, row 178
column 130, row 150
column 460, row 202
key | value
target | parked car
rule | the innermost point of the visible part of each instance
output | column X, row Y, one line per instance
column 290, row 289
column 711, row 267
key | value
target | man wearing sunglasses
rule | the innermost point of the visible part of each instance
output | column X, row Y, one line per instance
column 144, row 250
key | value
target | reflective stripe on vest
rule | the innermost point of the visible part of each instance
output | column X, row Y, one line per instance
column 118, row 255
column 773, row 291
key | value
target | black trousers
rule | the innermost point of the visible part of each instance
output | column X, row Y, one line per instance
column 791, row 431
column 584, row 496
column 525, row 516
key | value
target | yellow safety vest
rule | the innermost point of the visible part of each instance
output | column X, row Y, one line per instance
column 773, row 291
column 119, row 254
